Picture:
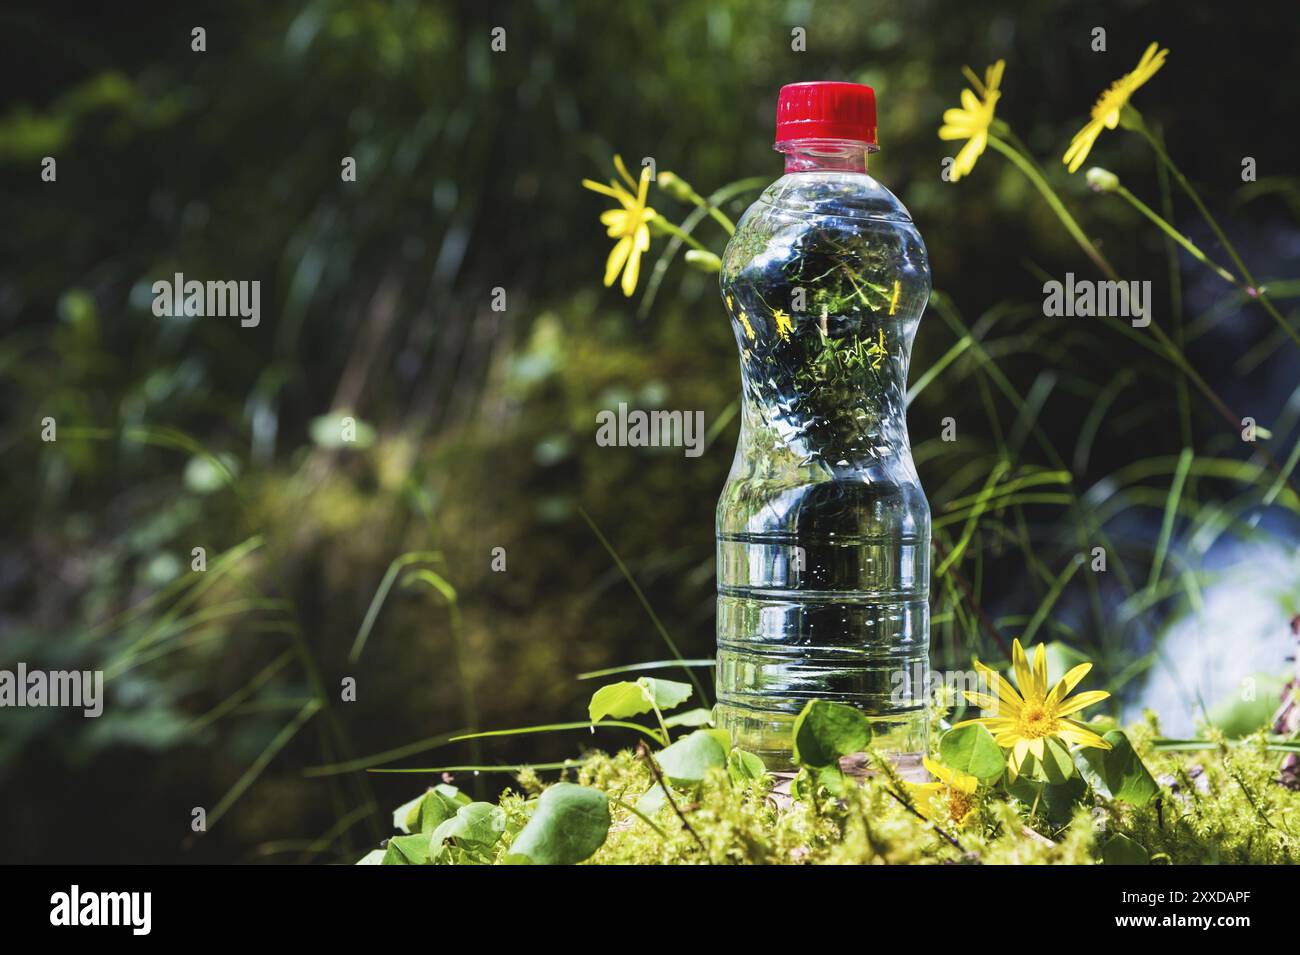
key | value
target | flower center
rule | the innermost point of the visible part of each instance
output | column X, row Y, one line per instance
column 1036, row 722
column 1112, row 100
column 959, row 805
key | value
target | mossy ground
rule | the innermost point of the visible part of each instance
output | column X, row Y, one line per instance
column 1216, row 806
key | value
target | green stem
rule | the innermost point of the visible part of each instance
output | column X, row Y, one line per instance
column 663, row 225
column 640, row 815
column 714, row 212
column 1071, row 226
column 1172, row 350
column 1133, row 120
column 663, row 727
column 1178, row 237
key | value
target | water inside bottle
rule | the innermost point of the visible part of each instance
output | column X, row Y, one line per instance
column 823, row 531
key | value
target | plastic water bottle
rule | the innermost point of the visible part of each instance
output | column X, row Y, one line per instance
column 823, row 529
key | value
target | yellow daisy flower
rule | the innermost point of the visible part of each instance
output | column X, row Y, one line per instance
column 783, row 324
column 1106, row 111
column 950, row 799
column 1026, row 720
column 972, row 121
column 627, row 224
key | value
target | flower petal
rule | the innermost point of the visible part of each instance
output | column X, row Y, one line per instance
column 617, row 256
column 1075, row 703
column 993, row 76
column 983, row 701
column 1040, row 672
column 600, row 187
column 622, row 171
column 1006, row 692
column 1067, row 683
column 1081, row 145
column 1020, row 664
column 1073, row 732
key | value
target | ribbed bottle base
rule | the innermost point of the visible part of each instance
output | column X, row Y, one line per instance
column 900, row 737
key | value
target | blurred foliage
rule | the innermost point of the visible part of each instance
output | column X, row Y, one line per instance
column 376, row 296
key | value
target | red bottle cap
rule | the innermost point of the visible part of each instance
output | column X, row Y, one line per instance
column 826, row 110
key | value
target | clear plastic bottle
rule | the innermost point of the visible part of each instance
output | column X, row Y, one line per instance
column 823, row 530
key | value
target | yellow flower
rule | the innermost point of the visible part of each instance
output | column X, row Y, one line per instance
column 1106, row 112
column 783, row 324
column 950, row 798
column 627, row 224
column 1026, row 720
column 744, row 320
column 972, row 121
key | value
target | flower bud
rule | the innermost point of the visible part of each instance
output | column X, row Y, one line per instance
column 674, row 185
column 1101, row 180
column 704, row 261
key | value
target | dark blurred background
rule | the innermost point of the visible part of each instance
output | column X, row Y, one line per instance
column 476, row 426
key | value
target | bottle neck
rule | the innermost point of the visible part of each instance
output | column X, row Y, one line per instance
column 825, row 155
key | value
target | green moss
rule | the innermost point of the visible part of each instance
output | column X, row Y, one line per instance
column 1219, row 806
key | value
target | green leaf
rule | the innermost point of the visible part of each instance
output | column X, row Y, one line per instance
column 1118, row 772
column 426, row 812
column 1121, row 850
column 621, row 700
column 667, row 694
column 452, row 794
column 832, row 778
column 407, row 816
column 1238, row 717
column 569, row 824
column 743, row 766
column 698, row 717
column 478, row 825
column 1056, row 802
column 1057, row 765
column 652, row 800
column 407, row 850
column 689, row 759
column 435, row 809
column 373, row 857
column 801, row 787
column 971, row 749
column 825, row 731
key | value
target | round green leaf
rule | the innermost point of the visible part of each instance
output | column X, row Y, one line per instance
column 1121, row 850
column 743, row 766
column 667, row 694
column 825, row 731
column 407, row 850
column 621, row 700
column 1057, row 764
column 971, row 749
column 1118, row 772
column 569, row 824
column 690, row 758
column 479, row 824
column 618, row 701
